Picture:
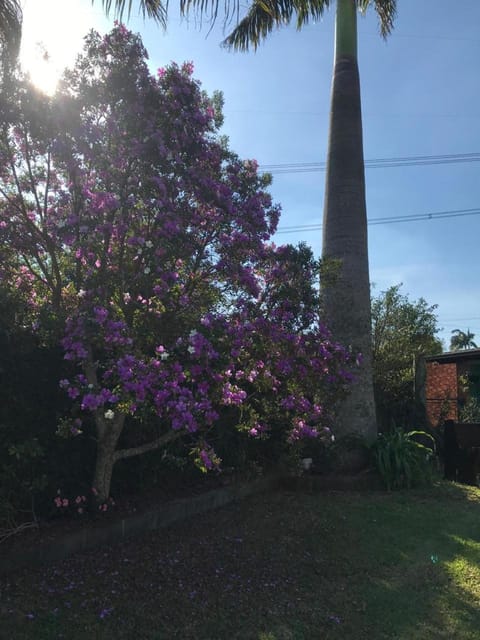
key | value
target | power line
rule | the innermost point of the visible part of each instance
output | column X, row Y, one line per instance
column 450, row 320
column 436, row 215
column 374, row 163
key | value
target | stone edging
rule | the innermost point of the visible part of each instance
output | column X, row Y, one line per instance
column 112, row 532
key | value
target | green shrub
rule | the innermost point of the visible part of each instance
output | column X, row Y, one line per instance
column 470, row 412
column 404, row 458
column 34, row 461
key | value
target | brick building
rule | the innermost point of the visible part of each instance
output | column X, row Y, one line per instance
column 450, row 380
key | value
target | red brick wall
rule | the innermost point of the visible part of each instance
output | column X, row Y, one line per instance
column 441, row 392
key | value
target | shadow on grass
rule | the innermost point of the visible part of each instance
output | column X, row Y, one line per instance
column 283, row 566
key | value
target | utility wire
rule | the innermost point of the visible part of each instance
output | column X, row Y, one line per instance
column 374, row 163
column 436, row 215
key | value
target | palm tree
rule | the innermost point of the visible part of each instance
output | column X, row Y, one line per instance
column 11, row 23
column 346, row 296
column 462, row 340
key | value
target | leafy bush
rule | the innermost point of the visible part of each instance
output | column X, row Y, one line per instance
column 402, row 330
column 34, row 462
column 470, row 412
column 404, row 458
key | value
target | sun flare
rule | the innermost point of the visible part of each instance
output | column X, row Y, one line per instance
column 52, row 35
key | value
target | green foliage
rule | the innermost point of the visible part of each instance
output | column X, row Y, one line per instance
column 402, row 331
column 462, row 340
column 349, row 453
column 10, row 35
column 470, row 412
column 33, row 460
column 402, row 458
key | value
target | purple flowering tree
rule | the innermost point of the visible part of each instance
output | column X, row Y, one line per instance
column 127, row 224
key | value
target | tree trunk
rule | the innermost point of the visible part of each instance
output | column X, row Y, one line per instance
column 108, row 433
column 346, row 297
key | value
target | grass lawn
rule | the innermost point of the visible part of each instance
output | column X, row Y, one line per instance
column 285, row 565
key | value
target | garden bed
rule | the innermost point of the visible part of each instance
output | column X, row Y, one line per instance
column 60, row 538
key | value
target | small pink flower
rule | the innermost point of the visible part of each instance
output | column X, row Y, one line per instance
column 187, row 67
column 65, row 502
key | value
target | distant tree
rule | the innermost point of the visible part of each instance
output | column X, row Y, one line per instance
column 462, row 340
column 402, row 330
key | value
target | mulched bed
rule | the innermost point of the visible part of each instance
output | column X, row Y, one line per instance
column 49, row 531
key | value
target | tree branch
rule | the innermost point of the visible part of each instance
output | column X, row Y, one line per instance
column 148, row 446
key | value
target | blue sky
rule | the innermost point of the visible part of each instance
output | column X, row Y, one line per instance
column 420, row 97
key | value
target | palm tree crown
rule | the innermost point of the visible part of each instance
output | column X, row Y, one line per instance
column 462, row 340
column 263, row 16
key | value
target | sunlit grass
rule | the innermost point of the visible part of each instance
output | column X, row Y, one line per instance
column 464, row 568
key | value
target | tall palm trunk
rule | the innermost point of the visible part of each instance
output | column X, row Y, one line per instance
column 346, row 296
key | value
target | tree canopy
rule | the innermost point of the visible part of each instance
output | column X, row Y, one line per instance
column 130, row 228
column 10, row 33
column 402, row 331
column 462, row 340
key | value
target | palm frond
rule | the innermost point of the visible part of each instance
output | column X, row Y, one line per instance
column 312, row 10
column 266, row 15
column 210, row 9
column 155, row 9
column 254, row 27
column 263, row 16
column 10, row 30
column 386, row 11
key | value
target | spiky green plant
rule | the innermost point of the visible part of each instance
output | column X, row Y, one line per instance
column 402, row 459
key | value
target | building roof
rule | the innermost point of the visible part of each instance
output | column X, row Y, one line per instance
column 455, row 356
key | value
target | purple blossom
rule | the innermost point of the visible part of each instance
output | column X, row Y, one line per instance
column 151, row 222
column 90, row 402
